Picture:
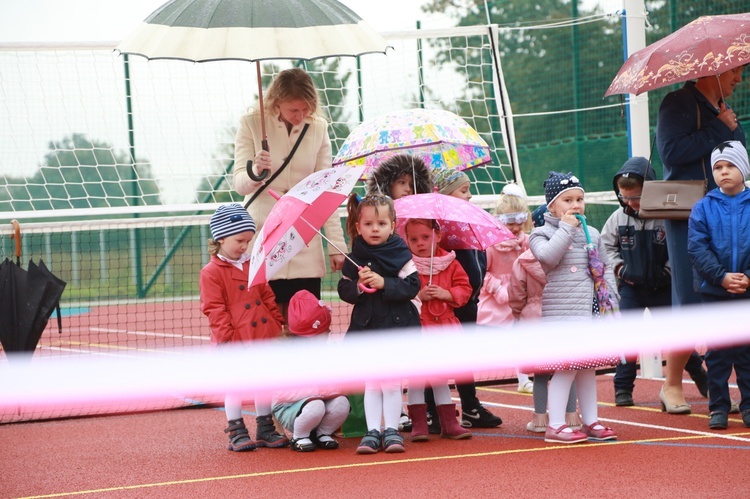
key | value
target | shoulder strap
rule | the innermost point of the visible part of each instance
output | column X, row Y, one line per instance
column 281, row 168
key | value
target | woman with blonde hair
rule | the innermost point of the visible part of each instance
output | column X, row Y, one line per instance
column 292, row 115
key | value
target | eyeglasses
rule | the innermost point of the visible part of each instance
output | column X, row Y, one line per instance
column 518, row 217
column 627, row 199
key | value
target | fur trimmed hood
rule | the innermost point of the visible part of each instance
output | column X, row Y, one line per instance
column 390, row 169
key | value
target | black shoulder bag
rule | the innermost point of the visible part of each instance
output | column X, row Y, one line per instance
column 281, row 168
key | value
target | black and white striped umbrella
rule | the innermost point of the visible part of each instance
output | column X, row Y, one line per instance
column 252, row 30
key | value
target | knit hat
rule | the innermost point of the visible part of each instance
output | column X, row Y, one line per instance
column 308, row 316
column 734, row 152
column 557, row 183
column 448, row 180
column 230, row 219
column 513, row 189
column 538, row 215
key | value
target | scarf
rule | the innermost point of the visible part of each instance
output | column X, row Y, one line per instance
column 440, row 262
column 390, row 256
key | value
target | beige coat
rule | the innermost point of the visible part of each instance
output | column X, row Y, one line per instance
column 313, row 154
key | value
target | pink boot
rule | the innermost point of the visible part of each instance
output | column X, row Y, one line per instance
column 449, row 423
column 419, row 429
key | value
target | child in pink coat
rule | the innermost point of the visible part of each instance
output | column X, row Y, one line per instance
column 493, row 309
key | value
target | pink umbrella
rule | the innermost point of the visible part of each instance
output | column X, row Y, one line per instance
column 464, row 225
column 707, row 46
column 295, row 218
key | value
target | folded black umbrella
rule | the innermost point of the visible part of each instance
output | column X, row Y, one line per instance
column 27, row 300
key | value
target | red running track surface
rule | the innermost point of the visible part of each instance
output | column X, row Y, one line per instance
column 181, row 453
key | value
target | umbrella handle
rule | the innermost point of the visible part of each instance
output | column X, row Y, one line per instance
column 582, row 219
column 364, row 288
column 249, row 167
column 16, row 236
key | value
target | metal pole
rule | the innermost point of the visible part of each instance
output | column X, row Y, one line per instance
column 577, row 96
column 634, row 39
column 136, row 241
column 420, row 69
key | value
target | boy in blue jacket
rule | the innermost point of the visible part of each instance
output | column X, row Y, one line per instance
column 719, row 247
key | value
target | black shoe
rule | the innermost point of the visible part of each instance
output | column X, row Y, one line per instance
column 623, row 398
column 719, row 420
column 701, row 382
column 326, row 442
column 404, row 423
column 433, row 425
column 746, row 418
column 302, row 444
column 479, row 418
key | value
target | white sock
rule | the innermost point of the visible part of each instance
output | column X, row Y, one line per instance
column 557, row 396
column 233, row 407
column 585, row 384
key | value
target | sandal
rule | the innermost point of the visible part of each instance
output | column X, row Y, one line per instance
column 392, row 441
column 324, row 441
column 370, row 443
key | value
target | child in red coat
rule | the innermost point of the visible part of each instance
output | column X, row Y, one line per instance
column 237, row 313
column 445, row 286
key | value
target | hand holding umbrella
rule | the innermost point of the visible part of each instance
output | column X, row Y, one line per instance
column 607, row 304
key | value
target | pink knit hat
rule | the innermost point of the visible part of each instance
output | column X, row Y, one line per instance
column 308, row 316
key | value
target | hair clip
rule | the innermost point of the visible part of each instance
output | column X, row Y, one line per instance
column 359, row 198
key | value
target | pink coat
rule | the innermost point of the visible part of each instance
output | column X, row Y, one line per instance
column 493, row 298
column 527, row 281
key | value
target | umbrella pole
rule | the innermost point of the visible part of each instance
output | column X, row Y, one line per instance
column 16, row 236
column 260, row 104
column 432, row 254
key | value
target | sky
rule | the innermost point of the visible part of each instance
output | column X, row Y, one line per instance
column 113, row 20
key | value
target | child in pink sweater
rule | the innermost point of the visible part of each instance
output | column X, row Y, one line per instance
column 493, row 309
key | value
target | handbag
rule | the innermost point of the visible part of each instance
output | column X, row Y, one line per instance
column 672, row 199
column 281, row 168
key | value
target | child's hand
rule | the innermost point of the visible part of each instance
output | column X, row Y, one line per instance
column 570, row 218
column 735, row 282
column 434, row 292
column 371, row 279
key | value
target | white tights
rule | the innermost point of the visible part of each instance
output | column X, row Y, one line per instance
column 440, row 389
column 233, row 407
column 325, row 415
column 383, row 404
column 559, row 390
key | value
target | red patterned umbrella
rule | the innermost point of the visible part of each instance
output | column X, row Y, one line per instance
column 707, row 46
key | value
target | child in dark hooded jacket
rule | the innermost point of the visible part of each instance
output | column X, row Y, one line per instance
column 638, row 251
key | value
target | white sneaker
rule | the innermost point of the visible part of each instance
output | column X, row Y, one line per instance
column 527, row 387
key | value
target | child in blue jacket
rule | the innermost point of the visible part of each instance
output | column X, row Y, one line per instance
column 719, row 247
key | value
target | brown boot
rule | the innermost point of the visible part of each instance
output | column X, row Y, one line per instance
column 449, row 423
column 418, row 415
